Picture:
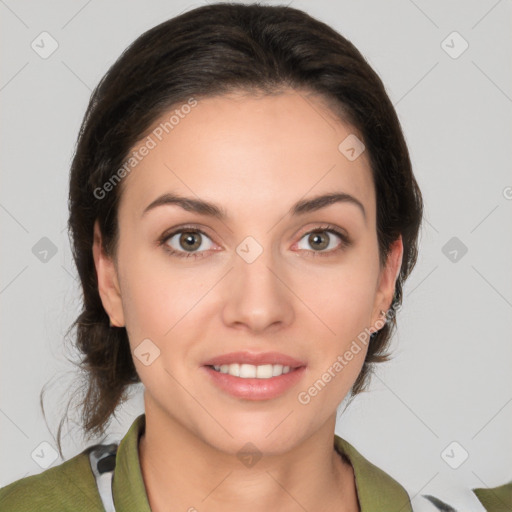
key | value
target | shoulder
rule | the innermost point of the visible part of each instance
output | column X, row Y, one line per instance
column 496, row 499
column 446, row 493
column 376, row 489
column 70, row 486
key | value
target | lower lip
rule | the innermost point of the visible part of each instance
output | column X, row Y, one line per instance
column 255, row 389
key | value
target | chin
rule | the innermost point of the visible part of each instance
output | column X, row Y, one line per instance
column 246, row 444
column 268, row 433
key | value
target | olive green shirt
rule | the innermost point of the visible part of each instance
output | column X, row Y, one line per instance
column 497, row 499
column 71, row 486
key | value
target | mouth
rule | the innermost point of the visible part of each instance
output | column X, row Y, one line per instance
column 250, row 371
column 255, row 376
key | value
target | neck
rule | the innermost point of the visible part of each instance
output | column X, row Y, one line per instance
column 181, row 470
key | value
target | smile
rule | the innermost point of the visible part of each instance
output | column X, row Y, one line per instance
column 250, row 371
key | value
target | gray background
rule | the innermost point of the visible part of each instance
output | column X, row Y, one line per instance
column 450, row 378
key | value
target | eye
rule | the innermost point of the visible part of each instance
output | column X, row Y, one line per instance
column 192, row 242
column 186, row 242
column 323, row 240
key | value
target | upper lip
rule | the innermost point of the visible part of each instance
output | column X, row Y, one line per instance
column 255, row 359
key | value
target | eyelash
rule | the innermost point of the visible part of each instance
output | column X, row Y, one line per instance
column 326, row 228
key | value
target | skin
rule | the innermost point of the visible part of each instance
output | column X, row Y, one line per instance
column 255, row 157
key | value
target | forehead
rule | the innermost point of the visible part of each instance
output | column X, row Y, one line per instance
column 250, row 152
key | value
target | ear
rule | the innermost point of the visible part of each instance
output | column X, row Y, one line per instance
column 108, row 284
column 387, row 280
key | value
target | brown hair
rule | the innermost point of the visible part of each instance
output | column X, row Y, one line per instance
column 207, row 51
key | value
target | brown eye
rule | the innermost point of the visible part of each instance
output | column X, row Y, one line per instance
column 319, row 240
column 190, row 241
column 322, row 241
column 187, row 242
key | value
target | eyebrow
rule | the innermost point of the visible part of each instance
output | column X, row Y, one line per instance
column 203, row 207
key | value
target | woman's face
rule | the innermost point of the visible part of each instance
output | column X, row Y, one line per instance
column 242, row 286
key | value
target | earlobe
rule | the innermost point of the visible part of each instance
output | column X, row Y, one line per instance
column 108, row 284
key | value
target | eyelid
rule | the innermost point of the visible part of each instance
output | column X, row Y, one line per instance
column 345, row 239
column 331, row 228
column 182, row 229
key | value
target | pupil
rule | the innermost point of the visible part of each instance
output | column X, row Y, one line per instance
column 189, row 241
column 316, row 239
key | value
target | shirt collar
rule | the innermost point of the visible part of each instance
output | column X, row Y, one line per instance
column 376, row 490
column 128, row 486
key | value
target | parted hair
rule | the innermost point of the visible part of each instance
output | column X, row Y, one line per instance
column 209, row 51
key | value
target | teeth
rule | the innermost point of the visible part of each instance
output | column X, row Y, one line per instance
column 250, row 371
column 264, row 371
column 277, row 369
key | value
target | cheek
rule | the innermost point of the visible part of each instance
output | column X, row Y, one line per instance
column 342, row 296
column 155, row 307
column 155, row 296
column 343, row 300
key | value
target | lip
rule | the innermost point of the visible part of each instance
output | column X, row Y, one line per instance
column 255, row 359
column 255, row 389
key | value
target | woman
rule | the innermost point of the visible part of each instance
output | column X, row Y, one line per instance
column 243, row 216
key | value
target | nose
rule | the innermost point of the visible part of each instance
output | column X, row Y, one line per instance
column 257, row 294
